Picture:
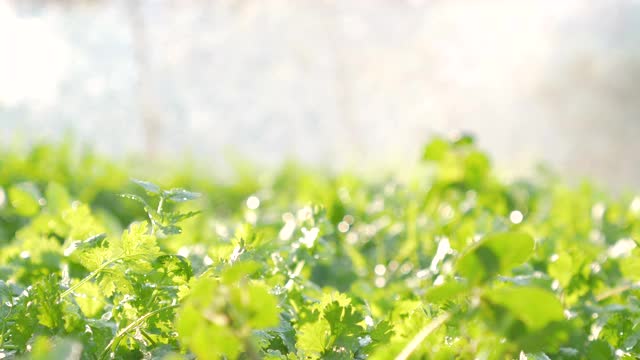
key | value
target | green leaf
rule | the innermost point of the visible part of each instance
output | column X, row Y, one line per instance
column 240, row 270
column 90, row 257
column 382, row 332
column 177, row 217
column 91, row 301
column 562, row 268
column 137, row 241
column 343, row 319
column 262, row 309
column 115, row 280
column 49, row 310
column 171, row 269
column 436, row 149
column 599, row 349
column 476, row 166
column 195, row 333
column 535, row 307
column 464, row 139
column 58, row 198
column 82, row 224
column 494, row 254
column 147, row 186
column 61, row 349
column 170, row 230
column 90, row 243
column 94, row 240
column 180, row 195
column 229, row 311
column 312, row 339
column 630, row 265
column 24, row 199
column 445, row 292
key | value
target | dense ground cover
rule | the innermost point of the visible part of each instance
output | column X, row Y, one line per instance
column 447, row 262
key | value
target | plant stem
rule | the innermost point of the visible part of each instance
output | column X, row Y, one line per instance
column 616, row 291
column 146, row 336
column 160, row 204
column 421, row 335
column 93, row 274
column 132, row 326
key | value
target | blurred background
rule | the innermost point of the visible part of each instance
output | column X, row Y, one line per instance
column 358, row 84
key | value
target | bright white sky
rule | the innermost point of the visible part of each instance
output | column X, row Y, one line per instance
column 328, row 82
column 34, row 61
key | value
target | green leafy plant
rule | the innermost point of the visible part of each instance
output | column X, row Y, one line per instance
column 450, row 261
column 163, row 221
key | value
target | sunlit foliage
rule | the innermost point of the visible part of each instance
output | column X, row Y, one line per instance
column 447, row 262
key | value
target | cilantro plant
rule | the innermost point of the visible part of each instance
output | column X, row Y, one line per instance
column 449, row 261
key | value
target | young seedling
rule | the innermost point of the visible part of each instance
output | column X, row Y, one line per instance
column 163, row 219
